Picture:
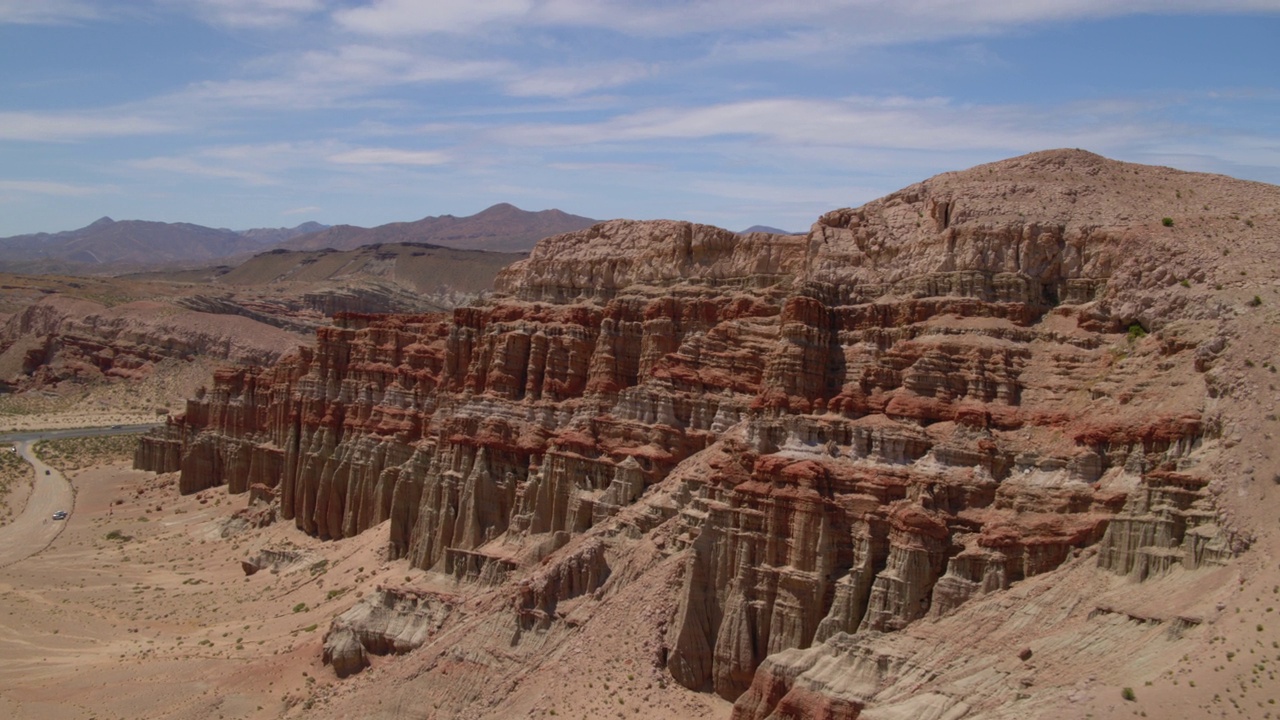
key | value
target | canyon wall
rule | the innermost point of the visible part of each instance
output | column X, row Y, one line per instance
column 921, row 402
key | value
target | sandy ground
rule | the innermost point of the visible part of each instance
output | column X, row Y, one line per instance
column 165, row 623
column 140, row 609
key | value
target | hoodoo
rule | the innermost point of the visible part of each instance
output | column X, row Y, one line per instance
column 820, row 475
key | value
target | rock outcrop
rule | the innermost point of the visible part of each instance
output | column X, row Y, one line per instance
column 924, row 401
column 388, row 621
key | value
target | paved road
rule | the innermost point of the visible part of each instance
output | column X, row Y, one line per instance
column 36, row 435
column 35, row 528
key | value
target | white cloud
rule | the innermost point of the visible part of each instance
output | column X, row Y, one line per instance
column 418, row 17
column 250, row 13
column 850, row 21
column 274, row 163
column 69, row 127
column 325, row 78
column 252, row 164
column 47, row 12
column 893, row 122
column 43, row 187
column 389, row 156
column 196, row 167
column 570, row 81
column 309, row 209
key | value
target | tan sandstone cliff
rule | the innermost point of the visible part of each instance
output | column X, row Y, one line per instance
column 821, row 447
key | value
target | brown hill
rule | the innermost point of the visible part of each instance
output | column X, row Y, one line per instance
column 501, row 228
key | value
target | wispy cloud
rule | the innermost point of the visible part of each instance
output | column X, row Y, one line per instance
column 891, row 122
column 197, row 167
column 309, row 209
column 571, row 81
column 324, row 78
column 273, row 163
column 250, row 13
column 412, row 17
column 43, row 187
column 253, row 164
column 861, row 21
column 47, row 12
column 389, row 156
column 70, row 127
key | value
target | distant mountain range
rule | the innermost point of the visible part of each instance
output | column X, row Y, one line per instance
column 109, row 246
column 501, row 228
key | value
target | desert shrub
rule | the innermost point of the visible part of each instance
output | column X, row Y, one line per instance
column 1136, row 331
column 1127, row 694
column 1167, row 222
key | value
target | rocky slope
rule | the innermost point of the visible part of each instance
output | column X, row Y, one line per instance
column 805, row 453
column 61, row 338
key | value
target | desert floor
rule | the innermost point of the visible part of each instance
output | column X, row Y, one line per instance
column 140, row 609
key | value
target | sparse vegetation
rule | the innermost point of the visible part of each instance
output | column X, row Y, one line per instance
column 1255, row 302
column 1128, row 694
column 300, row 607
column 73, row 454
column 1167, row 222
column 1136, row 332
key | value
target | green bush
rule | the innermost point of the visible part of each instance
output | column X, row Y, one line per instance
column 1136, row 331
column 1167, row 222
column 1127, row 694
column 299, row 607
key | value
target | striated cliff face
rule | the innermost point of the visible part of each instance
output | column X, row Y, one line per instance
column 921, row 403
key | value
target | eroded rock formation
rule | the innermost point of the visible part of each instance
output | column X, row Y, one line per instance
column 922, row 402
column 388, row 621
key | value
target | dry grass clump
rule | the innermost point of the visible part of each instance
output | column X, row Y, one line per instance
column 70, row 454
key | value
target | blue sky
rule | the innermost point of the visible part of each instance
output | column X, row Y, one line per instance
column 267, row 113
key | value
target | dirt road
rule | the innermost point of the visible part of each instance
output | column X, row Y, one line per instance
column 35, row 528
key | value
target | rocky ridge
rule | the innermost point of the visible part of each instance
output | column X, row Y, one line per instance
column 817, row 442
